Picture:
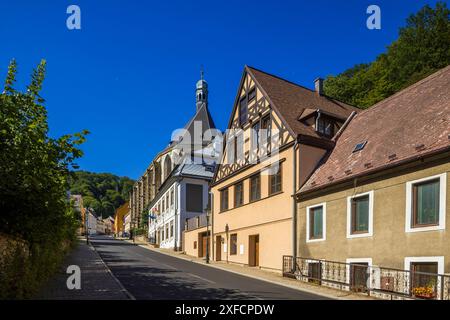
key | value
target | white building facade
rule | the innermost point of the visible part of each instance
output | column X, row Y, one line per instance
column 184, row 196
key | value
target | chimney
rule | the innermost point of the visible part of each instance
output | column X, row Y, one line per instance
column 318, row 85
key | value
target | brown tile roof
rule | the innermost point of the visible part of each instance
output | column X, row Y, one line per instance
column 414, row 122
column 292, row 100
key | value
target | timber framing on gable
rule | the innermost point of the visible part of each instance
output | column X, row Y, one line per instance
column 259, row 108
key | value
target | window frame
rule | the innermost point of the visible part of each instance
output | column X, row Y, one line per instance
column 324, row 222
column 271, row 176
column 236, row 205
column 350, row 233
column 442, row 204
column 268, row 137
column 414, row 213
column 440, row 260
column 222, row 192
column 243, row 121
column 235, row 244
column 258, row 187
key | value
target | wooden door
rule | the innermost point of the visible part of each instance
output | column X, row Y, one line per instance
column 204, row 243
column 218, row 248
column 253, row 250
column 257, row 250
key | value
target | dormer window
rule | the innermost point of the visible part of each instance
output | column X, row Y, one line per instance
column 325, row 126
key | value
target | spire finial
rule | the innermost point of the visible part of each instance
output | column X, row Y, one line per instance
column 201, row 72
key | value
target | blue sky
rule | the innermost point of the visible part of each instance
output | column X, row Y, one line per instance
column 129, row 74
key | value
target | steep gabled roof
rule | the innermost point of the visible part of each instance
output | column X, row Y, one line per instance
column 410, row 124
column 291, row 100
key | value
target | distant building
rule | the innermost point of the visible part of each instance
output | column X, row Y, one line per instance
column 119, row 218
column 91, row 222
column 127, row 224
column 109, row 225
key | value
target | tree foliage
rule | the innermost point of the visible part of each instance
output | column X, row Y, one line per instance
column 423, row 47
column 104, row 192
column 34, row 179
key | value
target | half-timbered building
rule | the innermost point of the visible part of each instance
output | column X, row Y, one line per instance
column 276, row 135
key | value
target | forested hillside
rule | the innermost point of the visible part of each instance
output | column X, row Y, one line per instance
column 104, row 192
column 423, row 47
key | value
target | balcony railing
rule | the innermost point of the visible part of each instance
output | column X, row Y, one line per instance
column 381, row 282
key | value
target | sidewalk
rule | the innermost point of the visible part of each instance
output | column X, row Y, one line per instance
column 264, row 275
column 97, row 282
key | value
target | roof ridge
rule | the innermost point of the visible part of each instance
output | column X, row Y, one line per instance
column 280, row 78
column 401, row 92
column 301, row 86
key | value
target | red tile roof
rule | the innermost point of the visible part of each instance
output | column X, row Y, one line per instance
column 414, row 122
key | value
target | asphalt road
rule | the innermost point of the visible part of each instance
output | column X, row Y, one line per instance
column 151, row 275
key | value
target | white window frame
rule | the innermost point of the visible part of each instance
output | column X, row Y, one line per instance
column 324, row 224
column 349, row 216
column 373, row 271
column 442, row 204
column 440, row 261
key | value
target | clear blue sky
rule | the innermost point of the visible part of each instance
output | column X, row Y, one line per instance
column 128, row 75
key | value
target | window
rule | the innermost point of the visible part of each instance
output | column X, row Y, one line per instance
column 325, row 126
column 167, row 231
column 172, row 196
column 275, row 179
column 265, row 134
column 251, row 94
column 238, row 194
column 423, row 275
column 164, row 205
column 239, row 147
column 360, row 146
column 233, row 244
column 255, row 187
column 224, row 199
column 360, row 215
column 171, row 229
column 195, row 245
column 167, row 201
column 194, row 197
column 425, row 204
column 243, row 111
column 255, row 136
column 230, row 150
column 316, row 223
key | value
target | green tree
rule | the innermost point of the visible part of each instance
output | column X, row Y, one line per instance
column 104, row 192
column 34, row 179
column 423, row 47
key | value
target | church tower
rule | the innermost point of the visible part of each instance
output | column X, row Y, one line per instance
column 201, row 92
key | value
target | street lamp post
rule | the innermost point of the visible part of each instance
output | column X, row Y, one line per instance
column 208, row 236
column 227, row 229
column 86, row 224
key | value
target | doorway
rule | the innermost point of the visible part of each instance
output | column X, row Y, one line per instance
column 218, row 248
column 359, row 276
column 253, row 250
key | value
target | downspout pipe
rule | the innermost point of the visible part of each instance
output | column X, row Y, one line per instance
column 294, row 207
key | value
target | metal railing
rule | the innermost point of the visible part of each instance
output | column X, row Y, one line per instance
column 373, row 280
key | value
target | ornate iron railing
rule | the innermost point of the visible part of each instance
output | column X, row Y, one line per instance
column 373, row 280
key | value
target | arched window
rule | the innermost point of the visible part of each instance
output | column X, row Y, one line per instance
column 167, row 166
